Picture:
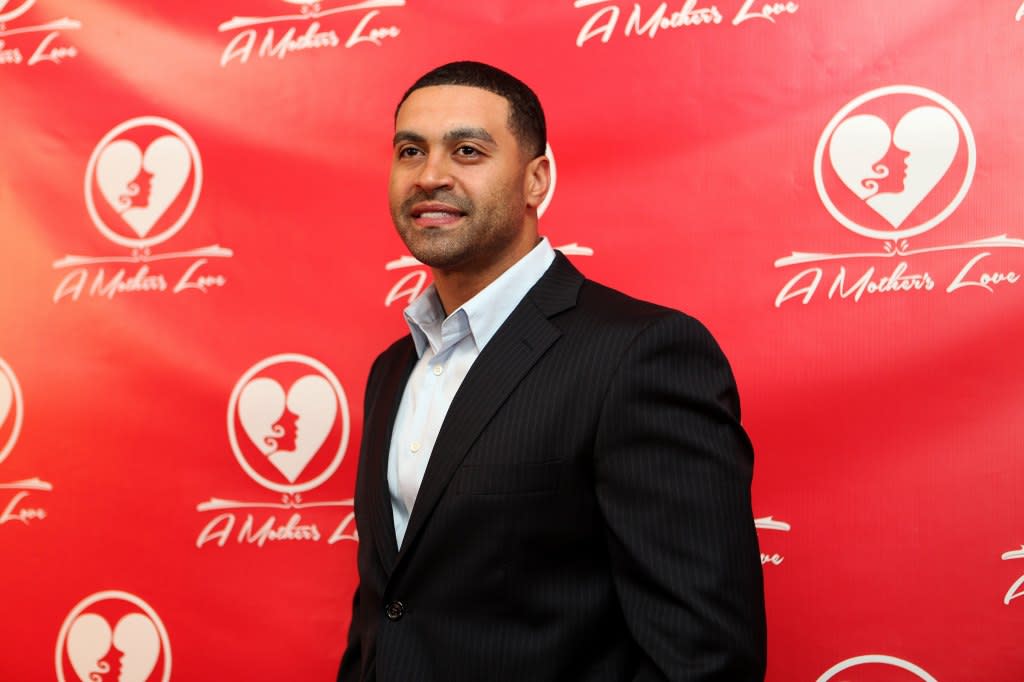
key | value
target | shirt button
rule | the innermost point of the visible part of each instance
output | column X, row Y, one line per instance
column 394, row 610
column 415, row 447
column 438, row 369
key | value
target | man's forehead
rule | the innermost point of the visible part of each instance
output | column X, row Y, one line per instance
column 448, row 107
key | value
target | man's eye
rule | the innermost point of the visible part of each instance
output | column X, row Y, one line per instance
column 467, row 151
column 406, row 152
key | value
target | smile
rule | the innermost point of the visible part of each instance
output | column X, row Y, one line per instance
column 435, row 214
column 431, row 215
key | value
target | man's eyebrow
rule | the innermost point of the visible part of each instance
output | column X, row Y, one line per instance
column 407, row 136
column 468, row 133
column 451, row 136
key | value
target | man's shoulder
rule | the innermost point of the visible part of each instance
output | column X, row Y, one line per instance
column 603, row 310
column 606, row 304
column 565, row 288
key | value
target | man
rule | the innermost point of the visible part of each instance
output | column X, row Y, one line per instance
column 553, row 482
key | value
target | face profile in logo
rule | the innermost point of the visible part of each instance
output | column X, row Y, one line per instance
column 875, row 668
column 864, row 158
column 11, row 411
column 12, row 10
column 143, row 181
column 895, row 162
column 288, row 423
column 113, row 636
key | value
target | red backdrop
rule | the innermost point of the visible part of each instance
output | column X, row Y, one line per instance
column 194, row 235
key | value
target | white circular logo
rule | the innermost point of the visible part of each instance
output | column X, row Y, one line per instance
column 113, row 635
column 288, row 423
column 895, row 162
column 11, row 409
column 551, row 189
column 143, row 181
column 8, row 14
column 875, row 659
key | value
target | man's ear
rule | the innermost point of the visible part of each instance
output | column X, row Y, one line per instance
column 537, row 181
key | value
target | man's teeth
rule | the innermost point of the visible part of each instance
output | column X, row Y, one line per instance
column 437, row 214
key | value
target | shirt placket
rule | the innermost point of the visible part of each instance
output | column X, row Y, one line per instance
column 428, row 412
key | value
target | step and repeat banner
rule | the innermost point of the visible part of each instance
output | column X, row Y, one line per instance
column 197, row 267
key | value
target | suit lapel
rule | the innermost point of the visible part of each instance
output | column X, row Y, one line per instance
column 379, row 428
column 508, row 357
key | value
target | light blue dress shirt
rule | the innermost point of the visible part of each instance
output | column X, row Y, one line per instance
column 447, row 348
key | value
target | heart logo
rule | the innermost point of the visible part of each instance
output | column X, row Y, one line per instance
column 134, row 643
column 927, row 139
column 6, row 398
column 140, row 186
column 288, row 428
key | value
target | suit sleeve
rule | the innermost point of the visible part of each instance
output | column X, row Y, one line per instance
column 673, row 469
column 350, row 669
column 350, row 660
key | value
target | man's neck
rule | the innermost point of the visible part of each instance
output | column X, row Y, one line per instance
column 456, row 286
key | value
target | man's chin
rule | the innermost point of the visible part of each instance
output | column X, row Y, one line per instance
column 433, row 248
column 439, row 261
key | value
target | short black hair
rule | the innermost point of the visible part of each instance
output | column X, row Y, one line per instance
column 525, row 118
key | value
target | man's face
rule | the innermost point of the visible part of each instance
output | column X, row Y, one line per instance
column 457, row 189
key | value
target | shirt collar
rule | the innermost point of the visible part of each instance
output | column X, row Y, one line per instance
column 484, row 313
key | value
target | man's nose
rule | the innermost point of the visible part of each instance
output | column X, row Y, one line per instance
column 435, row 173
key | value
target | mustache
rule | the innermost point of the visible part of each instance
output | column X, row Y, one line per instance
column 443, row 196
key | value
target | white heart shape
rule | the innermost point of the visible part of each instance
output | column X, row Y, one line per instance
column 141, row 186
column 6, row 398
column 312, row 399
column 137, row 637
column 929, row 137
column 88, row 642
column 260, row 405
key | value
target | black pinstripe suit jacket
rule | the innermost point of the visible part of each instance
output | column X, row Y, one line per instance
column 585, row 514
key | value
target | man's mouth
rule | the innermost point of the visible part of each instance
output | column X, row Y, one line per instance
column 435, row 215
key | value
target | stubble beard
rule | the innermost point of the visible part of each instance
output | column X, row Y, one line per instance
column 483, row 234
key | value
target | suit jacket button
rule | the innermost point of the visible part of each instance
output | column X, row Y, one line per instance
column 394, row 610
